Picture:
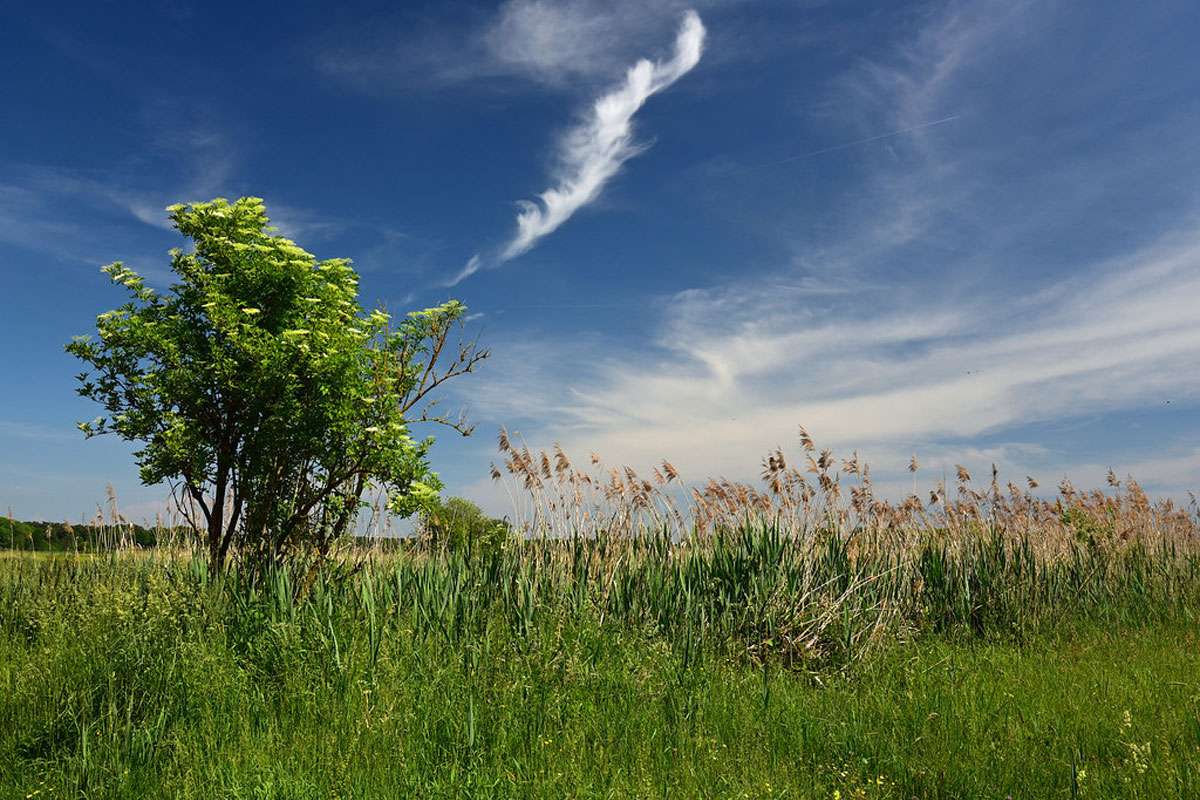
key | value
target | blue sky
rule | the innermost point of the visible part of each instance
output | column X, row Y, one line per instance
column 965, row 230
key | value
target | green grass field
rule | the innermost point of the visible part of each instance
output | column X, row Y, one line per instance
column 527, row 674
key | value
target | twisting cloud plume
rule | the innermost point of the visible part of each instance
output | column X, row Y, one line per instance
column 594, row 151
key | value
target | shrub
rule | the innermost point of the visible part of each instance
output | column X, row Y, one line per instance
column 461, row 526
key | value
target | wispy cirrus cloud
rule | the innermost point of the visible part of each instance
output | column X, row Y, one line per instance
column 555, row 45
column 732, row 371
column 181, row 155
column 974, row 312
column 592, row 152
column 473, row 265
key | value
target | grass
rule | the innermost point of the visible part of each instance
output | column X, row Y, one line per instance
column 804, row 641
column 434, row 675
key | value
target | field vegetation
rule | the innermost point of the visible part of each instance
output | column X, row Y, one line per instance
column 800, row 638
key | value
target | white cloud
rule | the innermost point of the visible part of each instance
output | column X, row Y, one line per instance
column 556, row 44
column 940, row 333
column 470, row 268
column 732, row 371
column 566, row 40
column 592, row 153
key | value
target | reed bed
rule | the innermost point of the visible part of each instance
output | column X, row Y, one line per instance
column 811, row 563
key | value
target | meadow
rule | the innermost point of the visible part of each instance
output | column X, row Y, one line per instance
column 799, row 638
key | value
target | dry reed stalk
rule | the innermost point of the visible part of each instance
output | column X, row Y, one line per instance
column 561, row 499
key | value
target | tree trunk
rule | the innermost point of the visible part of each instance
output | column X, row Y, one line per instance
column 216, row 523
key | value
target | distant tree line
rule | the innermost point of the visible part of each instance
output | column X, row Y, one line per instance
column 455, row 524
column 65, row 537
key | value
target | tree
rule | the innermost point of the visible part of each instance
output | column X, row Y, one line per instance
column 261, row 390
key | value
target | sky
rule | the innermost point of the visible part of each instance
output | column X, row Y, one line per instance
column 966, row 230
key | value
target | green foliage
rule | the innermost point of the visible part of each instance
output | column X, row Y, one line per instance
column 461, row 526
column 260, row 387
column 1085, row 524
column 585, row 669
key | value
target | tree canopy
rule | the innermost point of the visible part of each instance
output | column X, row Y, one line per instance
column 263, row 392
